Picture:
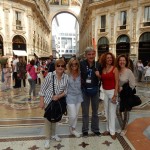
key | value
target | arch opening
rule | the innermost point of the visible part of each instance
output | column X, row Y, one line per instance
column 103, row 45
column 144, row 48
column 19, row 45
column 123, row 45
column 65, row 35
column 1, row 46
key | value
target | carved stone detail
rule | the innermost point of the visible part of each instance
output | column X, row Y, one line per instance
column 6, row 13
column 120, row 32
column 134, row 23
column 112, row 26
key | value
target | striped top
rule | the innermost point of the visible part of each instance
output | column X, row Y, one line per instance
column 60, row 86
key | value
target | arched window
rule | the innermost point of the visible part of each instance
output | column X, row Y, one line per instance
column 1, row 46
column 19, row 43
column 123, row 45
column 144, row 48
column 103, row 45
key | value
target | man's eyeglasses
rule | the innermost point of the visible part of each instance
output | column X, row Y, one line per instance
column 62, row 66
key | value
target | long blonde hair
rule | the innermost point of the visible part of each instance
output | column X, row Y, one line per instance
column 69, row 69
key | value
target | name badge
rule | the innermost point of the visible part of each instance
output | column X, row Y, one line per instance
column 88, row 80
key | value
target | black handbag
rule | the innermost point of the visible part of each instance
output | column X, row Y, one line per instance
column 134, row 101
column 56, row 109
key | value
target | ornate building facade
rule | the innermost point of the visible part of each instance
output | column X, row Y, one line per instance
column 121, row 27
column 24, row 28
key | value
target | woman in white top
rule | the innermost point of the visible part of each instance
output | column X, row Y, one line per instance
column 74, row 94
column 125, row 76
column 147, row 72
column 140, row 69
column 7, row 76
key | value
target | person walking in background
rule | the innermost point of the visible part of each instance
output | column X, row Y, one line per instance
column 51, row 64
column 140, row 69
column 90, row 76
column 46, row 96
column 126, row 76
column 15, row 61
column 147, row 72
column 74, row 94
column 7, row 76
column 110, row 80
column 21, row 72
column 32, row 76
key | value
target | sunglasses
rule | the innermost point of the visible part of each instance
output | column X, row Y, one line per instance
column 74, row 64
column 62, row 66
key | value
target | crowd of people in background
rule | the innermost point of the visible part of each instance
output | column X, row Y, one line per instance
column 80, row 82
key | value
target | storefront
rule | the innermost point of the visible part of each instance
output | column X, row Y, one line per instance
column 19, row 46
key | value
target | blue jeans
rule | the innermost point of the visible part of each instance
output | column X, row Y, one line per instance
column 32, row 86
column 85, row 112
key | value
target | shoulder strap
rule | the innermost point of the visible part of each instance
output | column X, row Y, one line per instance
column 53, row 85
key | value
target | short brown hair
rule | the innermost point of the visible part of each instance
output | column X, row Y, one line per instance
column 60, row 61
column 103, row 59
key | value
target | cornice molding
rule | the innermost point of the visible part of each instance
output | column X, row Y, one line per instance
column 144, row 2
column 144, row 29
column 120, row 32
column 101, row 34
column 19, row 32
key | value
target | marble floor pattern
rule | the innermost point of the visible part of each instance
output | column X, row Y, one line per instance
column 21, row 125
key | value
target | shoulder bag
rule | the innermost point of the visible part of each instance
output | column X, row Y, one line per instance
column 56, row 109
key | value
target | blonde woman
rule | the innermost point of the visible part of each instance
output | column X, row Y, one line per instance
column 74, row 94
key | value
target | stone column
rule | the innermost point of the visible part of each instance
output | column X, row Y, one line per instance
column 113, row 45
column 29, row 43
column 133, row 46
column 7, row 30
column 112, row 27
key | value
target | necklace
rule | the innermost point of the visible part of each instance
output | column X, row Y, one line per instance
column 107, row 69
column 122, row 71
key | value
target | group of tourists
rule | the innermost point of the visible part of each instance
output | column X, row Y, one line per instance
column 80, row 81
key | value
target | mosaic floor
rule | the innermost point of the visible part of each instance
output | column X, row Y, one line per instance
column 21, row 125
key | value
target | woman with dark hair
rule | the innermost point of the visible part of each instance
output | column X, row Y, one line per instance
column 126, row 84
column 46, row 96
column 110, row 79
column 74, row 94
column 32, row 76
column 21, row 72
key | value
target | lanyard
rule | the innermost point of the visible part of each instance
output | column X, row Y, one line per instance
column 89, row 71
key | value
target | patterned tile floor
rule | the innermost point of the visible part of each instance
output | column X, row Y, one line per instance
column 21, row 126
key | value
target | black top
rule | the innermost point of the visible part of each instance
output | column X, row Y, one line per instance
column 51, row 67
column 89, row 72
